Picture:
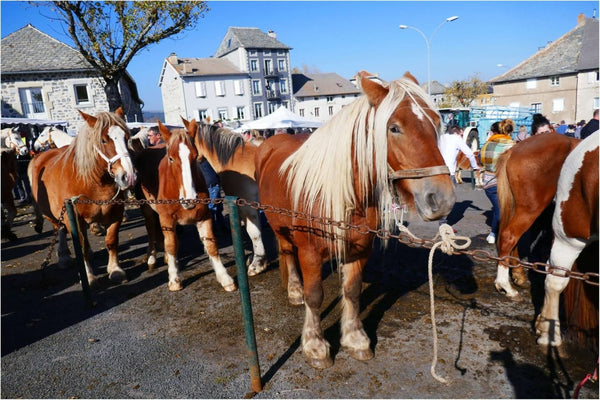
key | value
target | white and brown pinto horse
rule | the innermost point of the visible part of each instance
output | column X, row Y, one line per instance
column 575, row 222
column 463, row 164
column 96, row 166
column 52, row 137
column 169, row 172
column 347, row 171
column 10, row 139
column 233, row 159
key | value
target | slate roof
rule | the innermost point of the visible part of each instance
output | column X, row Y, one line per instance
column 321, row 85
column 575, row 51
column 204, row 66
column 248, row 38
column 29, row 50
column 436, row 87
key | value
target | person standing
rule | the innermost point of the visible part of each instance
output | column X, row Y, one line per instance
column 214, row 192
column 498, row 143
column 154, row 136
column 562, row 128
column 591, row 126
column 540, row 125
column 522, row 135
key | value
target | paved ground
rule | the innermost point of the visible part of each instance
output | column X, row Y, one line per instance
column 141, row 341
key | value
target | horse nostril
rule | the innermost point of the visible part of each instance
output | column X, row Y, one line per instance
column 432, row 202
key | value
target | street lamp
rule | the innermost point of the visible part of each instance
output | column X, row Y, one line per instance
column 428, row 43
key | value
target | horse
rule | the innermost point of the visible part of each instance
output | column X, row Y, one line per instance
column 575, row 222
column 527, row 176
column 463, row 164
column 10, row 139
column 346, row 171
column 9, row 177
column 52, row 137
column 95, row 166
column 233, row 159
column 168, row 172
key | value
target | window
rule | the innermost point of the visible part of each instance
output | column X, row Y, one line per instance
column 253, row 65
column 555, row 81
column 316, row 111
column 252, row 52
column 268, row 67
column 272, row 107
column 222, row 113
column 220, row 88
column 283, row 86
column 316, row 98
column 536, row 108
column 202, row 114
column 200, row 89
column 256, row 87
column 267, row 52
column 593, row 76
column 258, row 110
column 301, row 112
column 281, row 52
column 531, row 83
column 514, row 104
column 238, row 87
column 596, row 103
column 228, row 43
column 281, row 64
column 558, row 105
column 32, row 102
column 330, row 110
column 329, row 99
column 241, row 112
column 81, row 94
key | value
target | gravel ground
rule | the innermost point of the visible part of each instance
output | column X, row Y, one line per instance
column 141, row 341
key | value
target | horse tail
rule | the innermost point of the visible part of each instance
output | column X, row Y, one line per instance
column 506, row 198
column 581, row 302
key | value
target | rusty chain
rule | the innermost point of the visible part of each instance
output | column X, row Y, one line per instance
column 477, row 254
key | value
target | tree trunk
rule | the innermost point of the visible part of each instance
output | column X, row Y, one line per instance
column 112, row 95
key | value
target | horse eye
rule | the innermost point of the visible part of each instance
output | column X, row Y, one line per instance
column 171, row 159
column 394, row 129
column 104, row 141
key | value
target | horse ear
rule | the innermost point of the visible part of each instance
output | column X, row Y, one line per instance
column 120, row 112
column 192, row 128
column 408, row 75
column 373, row 90
column 164, row 131
column 90, row 119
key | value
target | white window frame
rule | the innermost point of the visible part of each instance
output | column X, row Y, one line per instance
column 252, row 52
column 241, row 112
column 256, row 87
column 266, row 52
column 223, row 113
column 281, row 64
column 555, row 81
column 238, row 87
column 558, row 105
column 258, row 110
column 200, row 88
column 254, row 65
column 531, row 83
column 272, row 107
column 330, row 110
column 316, row 112
column 78, row 101
column 596, row 102
column 536, row 107
column 220, row 88
column 202, row 114
column 301, row 112
column 268, row 66
column 283, row 86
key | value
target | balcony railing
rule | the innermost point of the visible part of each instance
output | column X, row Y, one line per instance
column 273, row 94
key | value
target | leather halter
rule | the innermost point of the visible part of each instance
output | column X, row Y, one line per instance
column 110, row 161
column 419, row 172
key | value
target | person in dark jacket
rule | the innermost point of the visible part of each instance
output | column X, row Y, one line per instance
column 591, row 126
column 214, row 191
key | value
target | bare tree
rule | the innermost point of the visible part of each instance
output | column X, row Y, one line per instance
column 108, row 34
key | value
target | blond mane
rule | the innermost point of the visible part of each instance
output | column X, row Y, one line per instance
column 321, row 172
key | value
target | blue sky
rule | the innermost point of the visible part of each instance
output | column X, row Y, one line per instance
column 348, row 36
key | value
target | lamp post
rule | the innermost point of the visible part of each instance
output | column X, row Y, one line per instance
column 428, row 43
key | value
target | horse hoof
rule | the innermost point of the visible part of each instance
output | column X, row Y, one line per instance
column 117, row 276
column 320, row 363
column 230, row 288
column 255, row 269
column 523, row 283
column 360, row 354
column 296, row 301
column 175, row 286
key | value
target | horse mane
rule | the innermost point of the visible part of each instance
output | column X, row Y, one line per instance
column 81, row 154
column 221, row 141
column 321, row 172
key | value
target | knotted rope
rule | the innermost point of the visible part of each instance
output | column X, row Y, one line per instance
column 448, row 243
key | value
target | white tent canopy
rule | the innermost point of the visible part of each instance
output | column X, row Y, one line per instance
column 280, row 118
column 30, row 121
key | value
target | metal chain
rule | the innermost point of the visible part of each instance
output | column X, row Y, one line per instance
column 591, row 278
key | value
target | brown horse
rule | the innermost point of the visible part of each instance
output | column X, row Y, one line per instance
column 463, row 164
column 527, row 177
column 574, row 222
column 95, row 166
column 169, row 172
column 233, row 160
column 9, row 177
column 346, row 170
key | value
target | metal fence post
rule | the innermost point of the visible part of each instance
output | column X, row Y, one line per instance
column 85, row 285
column 242, row 274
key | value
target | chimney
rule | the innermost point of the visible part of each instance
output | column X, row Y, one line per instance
column 185, row 67
column 272, row 34
column 173, row 59
column 580, row 19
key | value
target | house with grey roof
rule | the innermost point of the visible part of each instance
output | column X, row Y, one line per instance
column 319, row 96
column 560, row 80
column 204, row 89
column 43, row 78
column 267, row 62
column 437, row 91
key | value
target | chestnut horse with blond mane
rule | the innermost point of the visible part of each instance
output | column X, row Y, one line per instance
column 347, row 170
column 169, row 172
column 96, row 166
column 233, row 159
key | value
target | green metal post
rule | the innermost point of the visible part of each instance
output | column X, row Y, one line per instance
column 473, row 179
column 242, row 274
column 85, row 285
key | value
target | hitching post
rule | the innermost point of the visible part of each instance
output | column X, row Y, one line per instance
column 85, row 285
column 242, row 274
column 473, row 179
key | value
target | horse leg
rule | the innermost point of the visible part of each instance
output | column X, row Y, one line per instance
column 62, row 251
column 547, row 325
column 115, row 273
column 151, row 229
column 259, row 258
column 171, row 243
column 354, row 338
column 290, row 278
column 205, row 231
column 314, row 345
column 86, row 250
column 38, row 223
column 458, row 176
column 507, row 241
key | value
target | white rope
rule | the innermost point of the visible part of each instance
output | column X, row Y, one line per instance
column 447, row 243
